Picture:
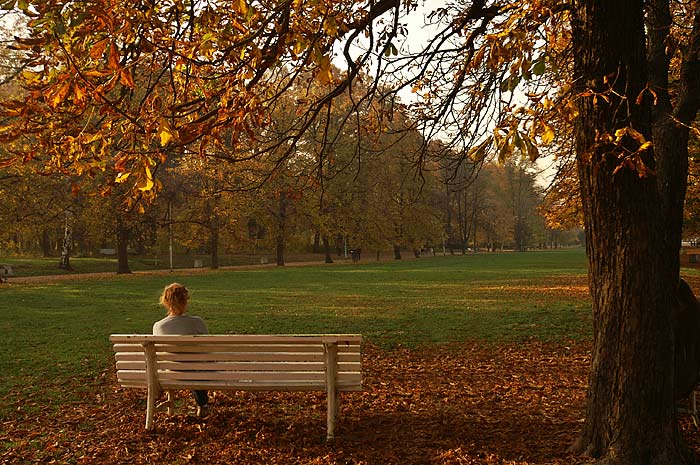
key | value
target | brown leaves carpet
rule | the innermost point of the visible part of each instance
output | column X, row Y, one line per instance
column 465, row 403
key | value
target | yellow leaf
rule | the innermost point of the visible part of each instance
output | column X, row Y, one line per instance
column 547, row 135
column 330, row 26
column 240, row 6
column 645, row 146
column 146, row 182
column 31, row 76
column 300, row 45
column 122, row 177
column 324, row 73
column 165, row 132
column 59, row 95
column 636, row 135
column 506, row 148
column 479, row 152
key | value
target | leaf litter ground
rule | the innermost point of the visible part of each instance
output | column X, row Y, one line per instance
column 468, row 403
column 462, row 403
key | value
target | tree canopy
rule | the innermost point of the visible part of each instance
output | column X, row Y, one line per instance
column 113, row 90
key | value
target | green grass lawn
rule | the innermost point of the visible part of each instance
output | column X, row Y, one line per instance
column 58, row 331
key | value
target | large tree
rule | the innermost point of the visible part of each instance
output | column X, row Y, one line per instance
column 493, row 77
column 632, row 156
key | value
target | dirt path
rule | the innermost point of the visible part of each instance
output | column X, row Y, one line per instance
column 164, row 272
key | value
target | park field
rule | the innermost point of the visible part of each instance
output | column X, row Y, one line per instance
column 465, row 357
column 58, row 329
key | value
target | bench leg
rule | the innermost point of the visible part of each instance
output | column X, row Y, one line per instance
column 331, row 415
column 154, row 388
column 150, row 407
column 169, row 402
column 331, row 389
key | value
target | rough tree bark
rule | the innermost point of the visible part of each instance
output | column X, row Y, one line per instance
column 122, row 247
column 633, row 222
column 214, row 244
column 327, row 249
column 281, row 227
column 64, row 263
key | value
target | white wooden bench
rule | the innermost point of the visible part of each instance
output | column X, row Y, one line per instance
column 330, row 363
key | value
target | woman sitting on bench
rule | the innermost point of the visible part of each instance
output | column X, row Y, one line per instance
column 175, row 298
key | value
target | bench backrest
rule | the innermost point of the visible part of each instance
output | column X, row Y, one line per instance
column 245, row 362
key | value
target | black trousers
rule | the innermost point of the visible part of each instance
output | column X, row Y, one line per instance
column 201, row 397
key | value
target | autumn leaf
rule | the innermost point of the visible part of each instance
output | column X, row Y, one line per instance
column 330, row 26
column 146, row 181
column 414, row 398
column 58, row 95
column 539, row 67
column 479, row 152
column 122, row 177
column 165, row 132
column 94, row 73
column 240, row 7
column 98, row 49
column 126, row 79
column 531, row 149
column 113, row 62
column 31, row 77
column 7, row 162
column 12, row 108
column 548, row 135
column 79, row 95
column 324, row 74
column 505, row 147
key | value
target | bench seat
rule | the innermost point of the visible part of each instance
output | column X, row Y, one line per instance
column 330, row 363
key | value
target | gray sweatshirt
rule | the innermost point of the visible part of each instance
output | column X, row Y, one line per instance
column 183, row 324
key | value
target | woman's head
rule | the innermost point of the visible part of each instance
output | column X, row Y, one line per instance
column 174, row 298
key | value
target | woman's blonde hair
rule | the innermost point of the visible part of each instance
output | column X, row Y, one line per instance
column 174, row 298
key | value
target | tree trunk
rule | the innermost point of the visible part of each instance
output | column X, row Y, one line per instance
column 122, row 247
column 632, row 255
column 327, row 249
column 214, row 245
column 281, row 225
column 45, row 243
column 64, row 263
column 317, row 242
column 397, row 252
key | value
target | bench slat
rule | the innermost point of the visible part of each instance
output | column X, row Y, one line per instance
column 237, row 357
column 236, row 366
column 214, row 348
column 239, row 338
column 343, row 386
column 235, row 375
